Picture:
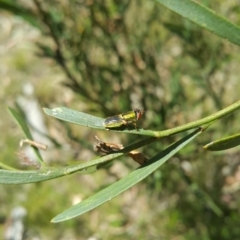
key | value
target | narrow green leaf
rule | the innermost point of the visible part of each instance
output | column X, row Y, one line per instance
column 224, row 143
column 125, row 183
column 87, row 120
column 24, row 177
column 26, row 131
column 204, row 17
column 80, row 118
column 47, row 173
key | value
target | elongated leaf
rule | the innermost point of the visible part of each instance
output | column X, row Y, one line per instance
column 24, row 177
column 69, row 115
column 87, row 120
column 205, row 18
column 127, row 182
column 23, row 125
column 47, row 173
column 224, row 143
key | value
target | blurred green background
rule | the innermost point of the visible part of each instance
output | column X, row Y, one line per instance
column 104, row 58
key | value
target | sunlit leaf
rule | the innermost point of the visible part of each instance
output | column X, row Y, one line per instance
column 87, row 120
column 47, row 173
column 127, row 182
column 204, row 17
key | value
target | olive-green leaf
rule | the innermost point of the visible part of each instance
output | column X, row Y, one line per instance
column 204, row 17
column 224, row 143
column 73, row 116
column 83, row 119
column 87, row 120
column 127, row 182
column 47, row 173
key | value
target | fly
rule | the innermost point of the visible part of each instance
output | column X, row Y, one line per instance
column 123, row 119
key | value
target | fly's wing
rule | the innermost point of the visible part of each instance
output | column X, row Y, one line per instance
column 114, row 121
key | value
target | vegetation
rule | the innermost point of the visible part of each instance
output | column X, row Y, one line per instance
column 105, row 58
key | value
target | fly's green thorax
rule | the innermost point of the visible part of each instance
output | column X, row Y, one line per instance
column 129, row 116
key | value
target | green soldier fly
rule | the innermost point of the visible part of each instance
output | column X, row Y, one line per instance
column 123, row 119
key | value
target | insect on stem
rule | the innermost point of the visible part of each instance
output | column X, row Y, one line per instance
column 123, row 119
